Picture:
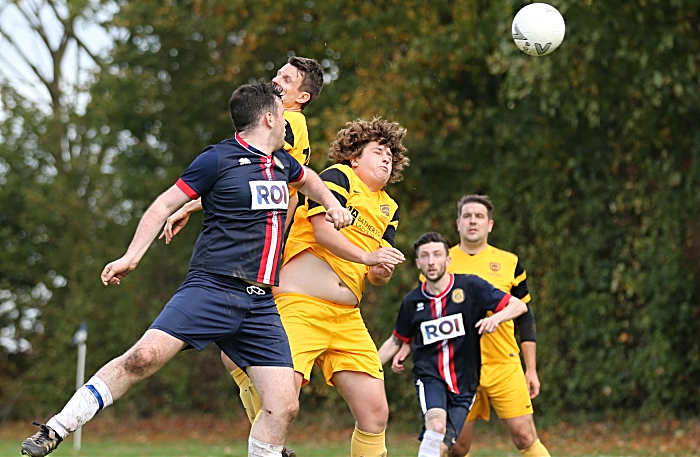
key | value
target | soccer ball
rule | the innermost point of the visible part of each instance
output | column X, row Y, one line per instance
column 538, row 29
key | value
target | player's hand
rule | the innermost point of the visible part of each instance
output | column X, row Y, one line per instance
column 115, row 271
column 400, row 357
column 174, row 224
column 487, row 325
column 382, row 271
column 339, row 217
column 387, row 256
column 533, row 383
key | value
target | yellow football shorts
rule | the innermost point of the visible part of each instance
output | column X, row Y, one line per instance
column 502, row 385
column 333, row 337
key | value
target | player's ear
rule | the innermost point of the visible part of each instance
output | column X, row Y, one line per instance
column 269, row 119
column 490, row 225
column 418, row 264
column 303, row 97
column 448, row 261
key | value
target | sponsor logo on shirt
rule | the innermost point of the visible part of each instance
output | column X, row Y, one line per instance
column 244, row 161
column 458, row 295
column 269, row 195
column 420, row 306
column 443, row 328
column 363, row 224
column 495, row 266
column 384, row 209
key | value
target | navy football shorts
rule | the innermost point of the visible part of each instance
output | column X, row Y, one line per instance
column 433, row 393
column 240, row 318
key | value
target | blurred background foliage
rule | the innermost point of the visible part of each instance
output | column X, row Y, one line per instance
column 590, row 155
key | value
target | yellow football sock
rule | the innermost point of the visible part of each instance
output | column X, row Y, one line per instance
column 248, row 393
column 367, row 444
column 536, row 450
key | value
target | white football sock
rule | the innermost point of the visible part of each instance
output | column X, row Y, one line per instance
column 84, row 404
column 259, row 449
column 430, row 446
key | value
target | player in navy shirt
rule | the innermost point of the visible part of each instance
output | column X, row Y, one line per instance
column 445, row 318
column 226, row 297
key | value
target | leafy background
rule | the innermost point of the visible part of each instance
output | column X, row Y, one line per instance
column 590, row 156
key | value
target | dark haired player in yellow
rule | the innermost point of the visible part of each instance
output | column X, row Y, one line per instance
column 502, row 383
column 323, row 275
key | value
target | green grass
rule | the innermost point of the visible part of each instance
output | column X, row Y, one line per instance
column 194, row 448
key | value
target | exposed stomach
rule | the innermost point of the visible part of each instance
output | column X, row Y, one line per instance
column 309, row 275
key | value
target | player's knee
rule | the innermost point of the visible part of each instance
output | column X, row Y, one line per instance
column 524, row 438
column 289, row 411
column 437, row 425
column 383, row 413
column 139, row 361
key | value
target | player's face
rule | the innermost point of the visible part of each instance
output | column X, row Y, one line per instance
column 474, row 224
column 433, row 260
column 373, row 166
column 290, row 78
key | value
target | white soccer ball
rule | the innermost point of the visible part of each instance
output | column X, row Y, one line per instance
column 538, row 29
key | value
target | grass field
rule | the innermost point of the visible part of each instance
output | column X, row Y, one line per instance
column 207, row 436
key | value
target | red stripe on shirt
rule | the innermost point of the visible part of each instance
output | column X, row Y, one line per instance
column 504, row 301
column 187, row 189
column 434, row 312
column 280, row 227
column 268, row 228
column 266, row 249
column 453, row 373
column 401, row 337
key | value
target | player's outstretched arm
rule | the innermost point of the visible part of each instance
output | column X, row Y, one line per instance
column 179, row 219
column 513, row 309
column 313, row 187
column 148, row 228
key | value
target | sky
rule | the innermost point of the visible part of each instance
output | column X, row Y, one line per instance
column 15, row 69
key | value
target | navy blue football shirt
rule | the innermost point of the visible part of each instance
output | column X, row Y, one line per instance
column 445, row 342
column 245, row 196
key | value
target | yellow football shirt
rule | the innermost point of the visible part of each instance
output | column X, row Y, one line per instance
column 375, row 220
column 296, row 139
column 502, row 270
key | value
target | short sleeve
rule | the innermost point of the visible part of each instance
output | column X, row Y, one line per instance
column 201, row 175
column 403, row 329
column 296, row 170
column 390, row 232
column 488, row 297
column 519, row 288
column 339, row 185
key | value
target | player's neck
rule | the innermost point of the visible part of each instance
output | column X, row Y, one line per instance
column 259, row 140
column 295, row 108
column 473, row 248
column 439, row 286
